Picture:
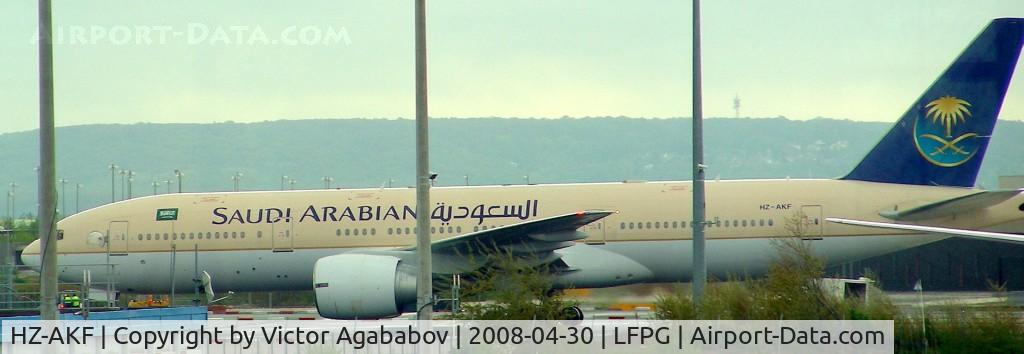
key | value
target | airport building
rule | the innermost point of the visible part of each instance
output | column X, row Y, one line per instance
column 951, row 264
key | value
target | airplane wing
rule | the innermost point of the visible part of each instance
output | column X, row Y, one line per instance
column 952, row 206
column 980, row 235
column 536, row 236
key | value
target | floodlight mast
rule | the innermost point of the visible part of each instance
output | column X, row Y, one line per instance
column 700, row 270
column 424, row 282
column 47, row 169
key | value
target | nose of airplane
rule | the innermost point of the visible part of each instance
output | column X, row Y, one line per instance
column 30, row 255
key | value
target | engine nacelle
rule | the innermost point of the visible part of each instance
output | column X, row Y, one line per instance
column 349, row 286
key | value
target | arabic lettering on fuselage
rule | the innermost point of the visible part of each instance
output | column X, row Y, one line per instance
column 326, row 213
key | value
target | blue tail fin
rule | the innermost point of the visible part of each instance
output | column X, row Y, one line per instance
column 941, row 140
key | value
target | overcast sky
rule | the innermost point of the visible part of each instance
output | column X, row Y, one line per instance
column 127, row 61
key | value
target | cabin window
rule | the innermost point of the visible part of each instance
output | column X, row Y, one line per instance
column 216, row 235
column 458, row 229
column 476, row 228
column 259, row 234
column 140, row 237
column 337, row 232
column 726, row 223
column 241, row 234
column 744, row 223
column 149, row 237
column 373, row 231
column 407, row 231
column 770, row 223
column 433, row 229
column 648, row 224
column 630, row 226
column 165, row 236
column 174, row 236
column 760, row 222
column 657, row 225
column 451, row 229
column 234, row 234
column 390, row 231
column 347, row 231
column 191, row 236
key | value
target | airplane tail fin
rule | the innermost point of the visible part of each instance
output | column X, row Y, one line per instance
column 941, row 139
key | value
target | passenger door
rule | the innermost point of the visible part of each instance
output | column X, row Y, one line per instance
column 117, row 236
column 596, row 232
column 813, row 226
column 282, row 235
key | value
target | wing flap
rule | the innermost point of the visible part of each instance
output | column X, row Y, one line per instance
column 543, row 235
column 980, row 235
column 561, row 236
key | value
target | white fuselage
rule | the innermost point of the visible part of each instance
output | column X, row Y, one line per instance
column 270, row 240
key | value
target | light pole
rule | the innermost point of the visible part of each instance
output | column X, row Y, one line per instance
column 424, row 287
column 113, row 171
column 283, row 180
column 168, row 185
column 467, row 179
column 327, row 181
column 291, row 184
column 179, row 174
column 78, row 189
column 47, row 169
column 236, row 178
column 14, row 193
column 63, row 197
column 155, row 184
column 123, row 173
column 131, row 177
column 526, row 179
column 700, row 270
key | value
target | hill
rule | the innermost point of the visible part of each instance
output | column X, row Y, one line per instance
column 370, row 152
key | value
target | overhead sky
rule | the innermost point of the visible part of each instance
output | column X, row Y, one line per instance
column 127, row 61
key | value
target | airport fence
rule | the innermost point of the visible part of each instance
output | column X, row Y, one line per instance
column 20, row 284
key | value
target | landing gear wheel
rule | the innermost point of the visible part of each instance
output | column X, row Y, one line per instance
column 572, row 313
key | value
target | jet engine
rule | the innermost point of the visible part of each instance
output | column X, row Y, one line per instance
column 350, row 286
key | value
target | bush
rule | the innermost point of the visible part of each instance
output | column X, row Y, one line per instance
column 510, row 287
column 791, row 290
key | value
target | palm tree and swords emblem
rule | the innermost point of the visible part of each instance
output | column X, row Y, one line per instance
column 937, row 142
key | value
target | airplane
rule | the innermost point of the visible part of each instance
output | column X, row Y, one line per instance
column 353, row 246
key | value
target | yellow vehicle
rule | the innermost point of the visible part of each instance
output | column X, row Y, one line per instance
column 149, row 301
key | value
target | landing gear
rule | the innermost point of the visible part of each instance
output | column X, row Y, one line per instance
column 572, row 313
